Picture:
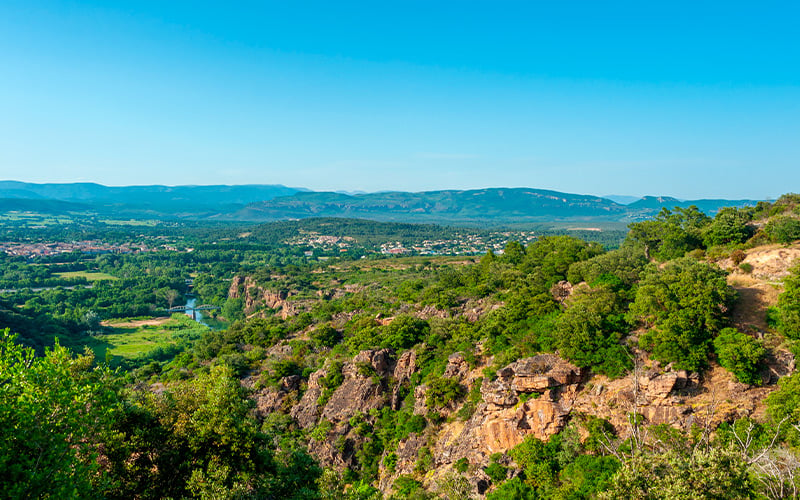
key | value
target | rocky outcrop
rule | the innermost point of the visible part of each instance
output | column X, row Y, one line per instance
column 256, row 297
column 457, row 366
column 535, row 396
column 379, row 360
column 406, row 366
column 271, row 400
column 561, row 291
column 532, row 396
column 306, row 412
column 358, row 393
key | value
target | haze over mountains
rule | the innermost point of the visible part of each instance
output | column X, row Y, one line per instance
column 486, row 207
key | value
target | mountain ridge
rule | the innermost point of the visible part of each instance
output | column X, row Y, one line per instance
column 269, row 202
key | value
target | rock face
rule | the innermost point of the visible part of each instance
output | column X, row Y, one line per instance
column 546, row 383
column 457, row 366
column 256, row 297
column 534, row 396
column 406, row 366
column 306, row 412
column 269, row 400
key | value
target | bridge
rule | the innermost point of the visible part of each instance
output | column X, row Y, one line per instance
column 194, row 309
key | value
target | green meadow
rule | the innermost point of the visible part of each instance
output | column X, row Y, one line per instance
column 89, row 275
column 129, row 339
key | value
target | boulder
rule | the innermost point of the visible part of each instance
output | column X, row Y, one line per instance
column 406, row 366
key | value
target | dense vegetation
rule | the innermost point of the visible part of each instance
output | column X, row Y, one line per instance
column 185, row 424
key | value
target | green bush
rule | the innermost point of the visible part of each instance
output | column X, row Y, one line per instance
column 442, row 391
column 325, row 336
column 684, row 302
column 788, row 310
column 461, row 465
column 783, row 229
column 590, row 330
column 513, row 489
column 729, row 226
column 740, row 354
column 496, row 472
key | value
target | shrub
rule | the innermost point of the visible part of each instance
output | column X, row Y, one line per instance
column 590, row 330
column 325, row 336
column 442, row 391
column 514, row 489
column 461, row 465
column 737, row 256
column 496, row 472
column 783, row 229
column 740, row 354
column 788, row 310
column 685, row 301
column 404, row 332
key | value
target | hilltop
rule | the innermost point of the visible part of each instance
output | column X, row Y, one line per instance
column 488, row 208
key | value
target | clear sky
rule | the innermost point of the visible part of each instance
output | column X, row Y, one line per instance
column 688, row 99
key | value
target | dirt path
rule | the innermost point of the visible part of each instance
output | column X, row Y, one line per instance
column 755, row 297
column 135, row 323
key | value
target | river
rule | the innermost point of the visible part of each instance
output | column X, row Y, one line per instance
column 196, row 315
column 210, row 322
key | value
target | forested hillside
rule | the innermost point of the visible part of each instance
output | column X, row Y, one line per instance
column 521, row 208
column 661, row 368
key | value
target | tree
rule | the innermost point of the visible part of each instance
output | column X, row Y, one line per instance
column 551, row 256
column 56, row 412
column 729, row 226
column 625, row 263
column 789, row 305
column 514, row 252
column 740, row 354
column 700, row 474
column 783, row 229
column 590, row 330
column 671, row 234
column 685, row 302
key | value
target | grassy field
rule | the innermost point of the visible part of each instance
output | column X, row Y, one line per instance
column 129, row 222
column 89, row 275
column 34, row 219
column 134, row 339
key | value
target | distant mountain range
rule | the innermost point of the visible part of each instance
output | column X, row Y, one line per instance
column 484, row 207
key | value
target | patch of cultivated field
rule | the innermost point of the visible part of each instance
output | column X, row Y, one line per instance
column 133, row 338
column 89, row 275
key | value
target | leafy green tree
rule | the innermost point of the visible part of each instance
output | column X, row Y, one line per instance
column 514, row 252
column 590, row 330
column 701, row 474
column 783, row 229
column 514, row 489
column 789, row 305
column 325, row 336
column 56, row 412
column 549, row 258
column 685, row 302
column 784, row 405
column 587, row 475
column 441, row 391
column 671, row 234
column 740, row 354
column 729, row 226
column 403, row 332
column 625, row 263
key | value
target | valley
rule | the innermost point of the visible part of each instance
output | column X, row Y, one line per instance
column 494, row 364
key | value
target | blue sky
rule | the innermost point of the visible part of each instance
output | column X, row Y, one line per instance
column 687, row 99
